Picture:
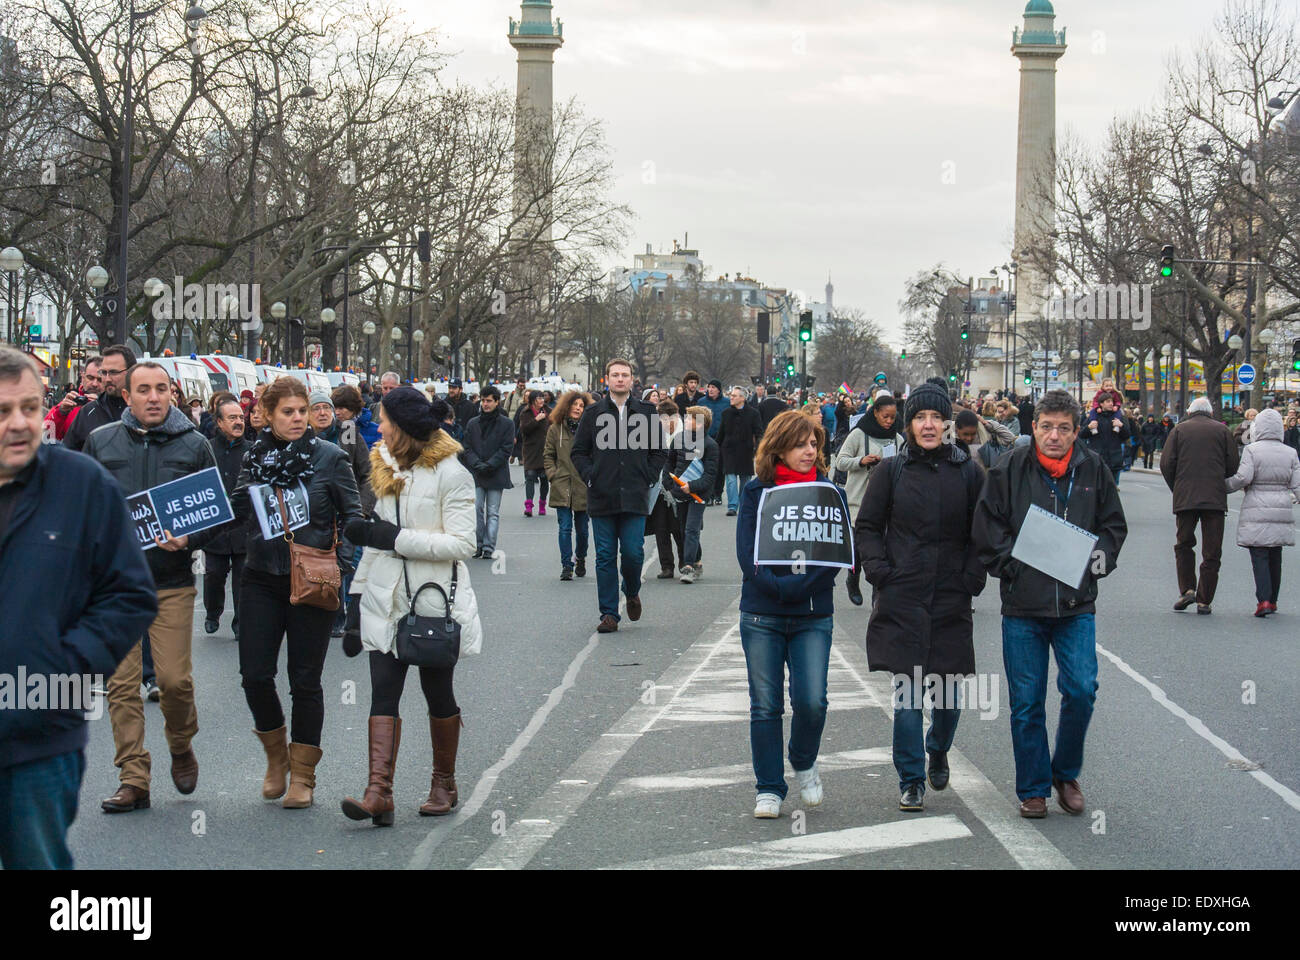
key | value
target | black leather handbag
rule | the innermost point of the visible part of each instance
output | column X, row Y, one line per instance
column 428, row 641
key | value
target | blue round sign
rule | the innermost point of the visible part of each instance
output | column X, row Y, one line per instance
column 1246, row 374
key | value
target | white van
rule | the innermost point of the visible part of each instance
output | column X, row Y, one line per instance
column 337, row 379
column 315, row 379
column 192, row 376
column 231, row 373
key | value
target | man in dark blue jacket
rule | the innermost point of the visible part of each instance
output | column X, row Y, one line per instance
column 59, row 512
column 489, row 437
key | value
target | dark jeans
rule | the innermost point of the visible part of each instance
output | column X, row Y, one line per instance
column 690, row 552
column 531, row 478
column 1211, row 522
column 147, row 672
column 1025, row 642
column 618, row 534
column 909, row 749
column 216, row 566
column 268, row 619
column 38, row 802
column 349, row 561
column 388, row 678
column 1148, row 455
column 719, row 483
column 570, row 519
column 667, row 526
column 1266, row 562
column 772, row 643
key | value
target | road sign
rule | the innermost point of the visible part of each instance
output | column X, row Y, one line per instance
column 1246, row 374
column 34, row 330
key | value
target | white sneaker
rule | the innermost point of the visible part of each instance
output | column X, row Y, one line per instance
column 767, row 806
column 810, row 785
column 688, row 574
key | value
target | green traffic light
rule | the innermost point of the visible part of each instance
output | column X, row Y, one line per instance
column 1166, row 271
column 805, row 335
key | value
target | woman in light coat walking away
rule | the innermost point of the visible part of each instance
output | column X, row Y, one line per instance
column 870, row 440
column 423, row 526
column 1269, row 472
column 568, row 492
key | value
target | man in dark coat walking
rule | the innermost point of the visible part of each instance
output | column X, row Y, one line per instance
column 60, row 512
column 1056, row 474
column 225, row 552
column 738, row 435
column 108, row 406
column 1198, row 456
column 619, row 451
column 489, row 438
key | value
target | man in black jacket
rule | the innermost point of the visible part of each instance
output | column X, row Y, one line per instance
column 59, row 512
column 155, row 443
column 619, row 452
column 461, row 405
column 224, row 553
column 769, row 408
column 489, row 438
column 108, row 407
column 738, row 436
column 1064, row 478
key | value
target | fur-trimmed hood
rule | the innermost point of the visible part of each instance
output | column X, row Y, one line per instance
column 386, row 479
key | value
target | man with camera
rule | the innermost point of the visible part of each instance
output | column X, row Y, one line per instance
column 61, row 415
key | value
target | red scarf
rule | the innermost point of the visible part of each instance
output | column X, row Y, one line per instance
column 785, row 475
column 1055, row 468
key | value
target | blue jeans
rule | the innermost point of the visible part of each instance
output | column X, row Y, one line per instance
column 567, row 518
column 1025, row 641
column 38, row 802
column 487, row 517
column 770, row 643
column 909, row 757
column 619, row 533
column 691, row 533
column 734, row 482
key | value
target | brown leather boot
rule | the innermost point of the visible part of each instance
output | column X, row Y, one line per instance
column 442, row 789
column 302, row 775
column 377, row 802
column 276, row 745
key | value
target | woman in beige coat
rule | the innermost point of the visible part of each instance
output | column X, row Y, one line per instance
column 568, row 492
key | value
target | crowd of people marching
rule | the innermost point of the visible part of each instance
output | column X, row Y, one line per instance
column 356, row 515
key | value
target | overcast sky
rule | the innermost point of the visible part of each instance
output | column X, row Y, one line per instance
column 795, row 138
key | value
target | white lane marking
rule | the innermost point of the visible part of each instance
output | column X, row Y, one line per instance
column 705, row 777
column 1026, row 845
column 520, row 843
column 422, row 855
column 1289, row 796
column 812, row 847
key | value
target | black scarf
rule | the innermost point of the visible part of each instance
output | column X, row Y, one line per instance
column 280, row 462
column 869, row 425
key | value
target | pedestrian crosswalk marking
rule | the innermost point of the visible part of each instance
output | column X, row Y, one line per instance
column 812, row 847
column 734, row 773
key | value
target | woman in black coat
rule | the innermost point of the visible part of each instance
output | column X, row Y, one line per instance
column 913, row 536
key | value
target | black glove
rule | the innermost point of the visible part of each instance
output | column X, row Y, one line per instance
column 352, row 630
column 379, row 534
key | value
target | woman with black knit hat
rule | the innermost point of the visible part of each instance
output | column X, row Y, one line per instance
column 913, row 539
column 873, row 438
column 423, row 527
column 289, row 468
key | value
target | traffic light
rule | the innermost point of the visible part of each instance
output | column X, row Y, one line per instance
column 1029, row 377
column 1167, row 260
column 952, row 375
column 422, row 245
column 903, row 356
column 965, row 331
column 789, row 365
column 805, row 326
column 1295, row 354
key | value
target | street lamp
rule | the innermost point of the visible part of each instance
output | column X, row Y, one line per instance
column 278, row 312
column 11, row 261
column 418, row 337
column 368, row 328
column 445, row 343
column 327, row 316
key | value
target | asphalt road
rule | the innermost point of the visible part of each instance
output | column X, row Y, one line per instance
column 632, row 749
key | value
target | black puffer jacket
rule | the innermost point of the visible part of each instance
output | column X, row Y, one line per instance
column 679, row 458
column 619, row 466
column 332, row 499
column 1012, row 485
column 232, row 538
column 139, row 459
column 913, row 540
column 98, row 413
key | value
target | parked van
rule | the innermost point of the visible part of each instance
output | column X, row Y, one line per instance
column 227, row 372
column 337, row 379
column 315, row 379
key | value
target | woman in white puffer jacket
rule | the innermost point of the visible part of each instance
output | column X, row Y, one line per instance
column 1270, row 475
column 423, row 523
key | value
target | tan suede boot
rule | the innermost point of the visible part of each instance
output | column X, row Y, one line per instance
column 377, row 802
column 302, row 775
column 442, row 789
column 276, row 744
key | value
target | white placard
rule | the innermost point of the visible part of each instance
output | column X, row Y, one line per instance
column 296, row 505
column 1056, row 547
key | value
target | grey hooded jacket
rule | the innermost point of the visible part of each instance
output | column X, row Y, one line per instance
column 1270, row 474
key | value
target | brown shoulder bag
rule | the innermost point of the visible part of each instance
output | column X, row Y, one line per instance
column 314, row 577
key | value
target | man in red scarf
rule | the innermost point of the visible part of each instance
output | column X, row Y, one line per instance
column 1040, row 612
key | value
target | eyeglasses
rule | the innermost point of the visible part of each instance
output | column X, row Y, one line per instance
column 1063, row 430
